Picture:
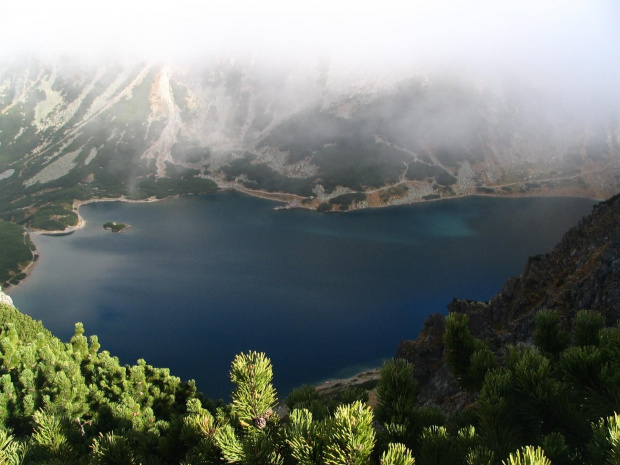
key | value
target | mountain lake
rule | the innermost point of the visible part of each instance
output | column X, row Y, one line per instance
column 197, row 280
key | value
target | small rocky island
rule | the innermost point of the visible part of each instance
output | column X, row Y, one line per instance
column 115, row 227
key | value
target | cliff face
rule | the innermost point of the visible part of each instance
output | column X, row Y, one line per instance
column 581, row 272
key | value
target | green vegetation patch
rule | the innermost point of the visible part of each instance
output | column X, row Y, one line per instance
column 18, row 136
column 178, row 171
column 536, row 404
column 307, row 133
column 359, row 165
column 190, row 152
column 346, row 200
column 60, row 402
column 165, row 187
column 262, row 177
column 26, row 328
column 114, row 226
column 324, row 207
column 582, row 183
column 419, row 171
column 53, row 217
column 510, row 189
column 556, row 395
column 15, row 252
column 444, row 191
column 344, row 150
column 393, row 192
column 445, row 179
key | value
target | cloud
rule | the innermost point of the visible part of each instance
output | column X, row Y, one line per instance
column 571, row 42
column 348, row 27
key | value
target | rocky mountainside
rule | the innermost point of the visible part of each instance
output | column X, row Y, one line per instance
column 581, row 272
column 322, row 134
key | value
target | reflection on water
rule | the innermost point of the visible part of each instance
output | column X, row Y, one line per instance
column 197, row 280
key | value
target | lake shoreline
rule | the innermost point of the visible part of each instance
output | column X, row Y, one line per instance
column 276, row 197
column 287, row 199
column 30, row 267
column 293, row 201
column 236, row 232
column 81, row 222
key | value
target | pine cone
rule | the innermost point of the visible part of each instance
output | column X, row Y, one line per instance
column 260, row 422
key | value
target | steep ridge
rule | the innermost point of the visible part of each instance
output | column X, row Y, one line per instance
column 581, row 272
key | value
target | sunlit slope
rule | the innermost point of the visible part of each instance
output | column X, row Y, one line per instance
column 75, row 130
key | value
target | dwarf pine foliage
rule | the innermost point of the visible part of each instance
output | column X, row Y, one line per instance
column 528, row 456
column 397, row 454
column 555, row 402
column 552, row 402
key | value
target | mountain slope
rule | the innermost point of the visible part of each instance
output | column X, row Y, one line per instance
column 314, row 130
column 315, row 134
column 581, row 272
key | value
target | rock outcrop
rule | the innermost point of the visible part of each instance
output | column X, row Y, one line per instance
column 581, row 272
column 5, row 299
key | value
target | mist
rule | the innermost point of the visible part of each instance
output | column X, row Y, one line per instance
column 570, row 42
column 352, row 95
column 567, row 48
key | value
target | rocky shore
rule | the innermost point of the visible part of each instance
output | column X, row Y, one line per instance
column 581, row 272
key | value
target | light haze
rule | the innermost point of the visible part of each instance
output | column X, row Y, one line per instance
column 450, row 30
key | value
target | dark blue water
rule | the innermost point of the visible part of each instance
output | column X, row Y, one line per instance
column 197, row 280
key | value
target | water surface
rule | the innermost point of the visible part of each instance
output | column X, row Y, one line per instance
column 197, row 280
